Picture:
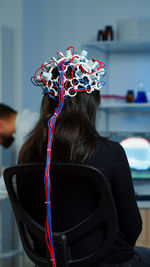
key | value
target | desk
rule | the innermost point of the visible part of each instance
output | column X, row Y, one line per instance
column 144, row 238
column 142, row 190
column 144, row 204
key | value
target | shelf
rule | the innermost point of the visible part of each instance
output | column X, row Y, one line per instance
column 126, row 106
column 126, row 134
column 120, row 46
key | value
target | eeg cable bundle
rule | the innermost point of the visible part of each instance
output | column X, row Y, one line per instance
column 61, row 78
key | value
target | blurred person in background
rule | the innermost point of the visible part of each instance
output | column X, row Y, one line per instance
column 15, row 126
column 14, row 129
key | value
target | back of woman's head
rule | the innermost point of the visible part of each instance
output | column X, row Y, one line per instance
column 75, row 132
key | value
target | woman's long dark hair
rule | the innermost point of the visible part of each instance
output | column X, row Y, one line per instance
column 75, row 131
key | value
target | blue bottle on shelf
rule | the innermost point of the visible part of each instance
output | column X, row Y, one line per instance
column 141, row 94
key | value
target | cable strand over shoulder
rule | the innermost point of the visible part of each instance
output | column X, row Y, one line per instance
column 51, row 129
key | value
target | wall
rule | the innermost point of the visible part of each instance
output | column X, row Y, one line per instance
column 33, row 49
column 11, row 62
column 43, row 27
column 11, row 94
column 50, row 26
column 11, row 17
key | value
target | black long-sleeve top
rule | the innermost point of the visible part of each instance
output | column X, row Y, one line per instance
column 111, row 159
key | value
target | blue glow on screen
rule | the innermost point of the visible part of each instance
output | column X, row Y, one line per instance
column 138, row 152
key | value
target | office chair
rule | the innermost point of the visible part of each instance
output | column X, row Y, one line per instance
column 83, row 213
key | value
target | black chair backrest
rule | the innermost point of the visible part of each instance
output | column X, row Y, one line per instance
column 83, row 213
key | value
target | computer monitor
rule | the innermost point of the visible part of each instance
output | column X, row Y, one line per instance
column 137, row 148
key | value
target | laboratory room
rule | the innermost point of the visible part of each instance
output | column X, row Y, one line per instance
column 74, row 133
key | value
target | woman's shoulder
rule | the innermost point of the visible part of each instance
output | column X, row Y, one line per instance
column 107, row 143
column 111, row 149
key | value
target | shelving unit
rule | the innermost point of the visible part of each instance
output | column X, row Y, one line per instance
column 120, row 57
column 131, row 112
column 126, row 106
column 127, row 63
column 120, row 46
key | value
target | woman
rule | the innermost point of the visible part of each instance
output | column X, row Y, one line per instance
column 71, row 87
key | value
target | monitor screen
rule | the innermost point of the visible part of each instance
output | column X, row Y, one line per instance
column 137, row 149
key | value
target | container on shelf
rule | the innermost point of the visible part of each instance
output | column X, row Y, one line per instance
column 130, row 96
column 108, row 34
column 141, row 97
column 133, row 29
column 100, row 35
column 141, row 94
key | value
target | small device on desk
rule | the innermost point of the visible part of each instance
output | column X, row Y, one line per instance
column 3, row 191
column 141, row 182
